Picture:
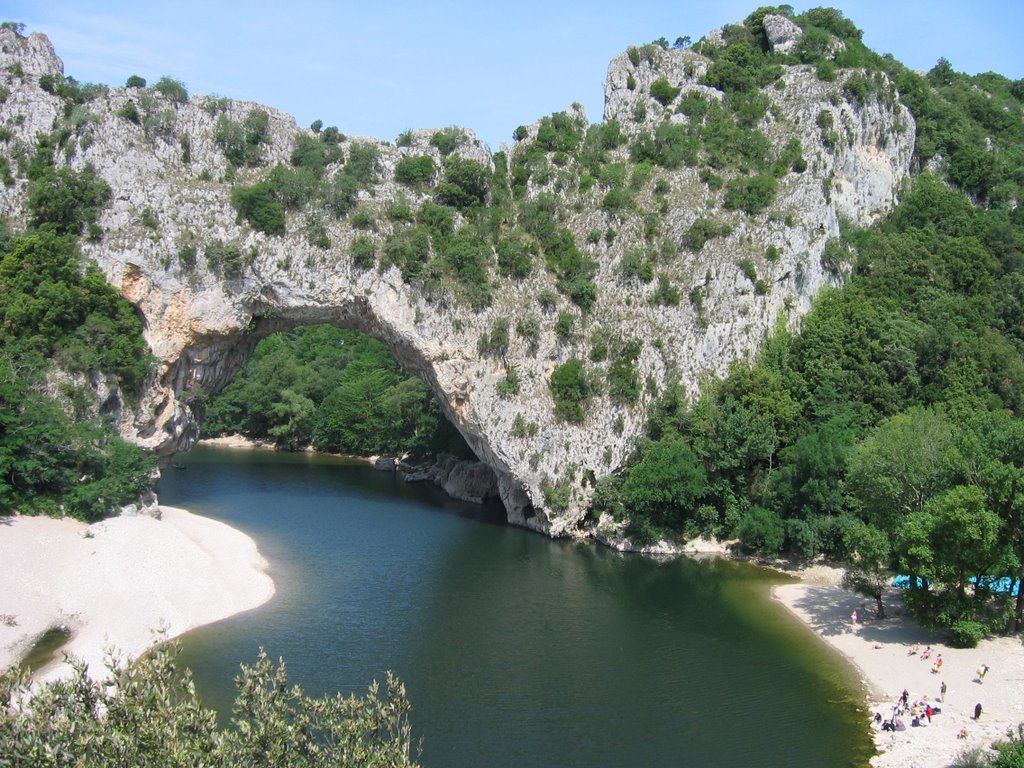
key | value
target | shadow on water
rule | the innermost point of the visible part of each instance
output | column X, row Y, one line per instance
column 515, row 649
column 45, row 649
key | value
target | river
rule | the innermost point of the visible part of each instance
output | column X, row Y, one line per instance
column 515, row 650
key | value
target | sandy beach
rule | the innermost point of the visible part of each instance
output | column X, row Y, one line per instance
column 879, row 649
column 117, row 582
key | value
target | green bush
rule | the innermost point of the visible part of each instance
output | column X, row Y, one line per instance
column 258, row 205
column 314, row 154
column 515, row 256
column 173, row 89
column 363, row 163
column 571, row 390
column 466, row 184
column 363, row 252
column 664, row 92
column 415, row 171
column 966, row 633
column 761, row 530
column 134, row 81
column 447, row 140
column 750, row 194
column 147, row 712
column 495, row 342
column 65, row 201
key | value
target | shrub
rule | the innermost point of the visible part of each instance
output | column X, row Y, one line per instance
column 966, row 633
column 761, row 530
column 129, row 112
column 465, row 185
column 363, row 163
column 340, row 194
column 751, row 194
column 363, row 251
column 509, row 385
column 173, row 89
column 64, row 201
column 664, row 92
column 314, row 154
column 495, row 342
column 134, row 81
column 565, row 327
column 623, row 378
column 637, row 264
column 447, row 140
column 415, row 171
column 703, row 230
column 242, row 143
column 528, row 329
column 515, row 257
column 571, row 390
column 257, row 205
column 666, row 294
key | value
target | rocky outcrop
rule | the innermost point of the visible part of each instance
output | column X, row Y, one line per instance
column 783, row 35
column 471, row 481
column 202, row 325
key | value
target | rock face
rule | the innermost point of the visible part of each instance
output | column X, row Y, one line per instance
column 202, row 325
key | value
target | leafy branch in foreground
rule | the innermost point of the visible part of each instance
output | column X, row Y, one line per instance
column 148, row 713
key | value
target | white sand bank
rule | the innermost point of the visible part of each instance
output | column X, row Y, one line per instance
column 879, row 650
column 113, row 583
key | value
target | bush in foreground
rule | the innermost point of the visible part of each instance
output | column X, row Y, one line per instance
column 147, row 713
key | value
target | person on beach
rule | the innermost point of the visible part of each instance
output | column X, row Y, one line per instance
column 937, row 666
column 914, row 649
column 982, row 671
column 977, row 711
column 942, row 691
column 853, row 617
column 928, row 712
column 927, row 653
column 904, row 698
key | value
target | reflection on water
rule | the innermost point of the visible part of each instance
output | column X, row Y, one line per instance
column 515, row 650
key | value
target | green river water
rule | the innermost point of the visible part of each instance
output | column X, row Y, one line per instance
column 515, row 650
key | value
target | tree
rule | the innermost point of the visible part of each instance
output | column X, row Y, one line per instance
column 134, row 81
column 174, row 90
column 900, row 466
column 665, row 484
column 867, row 563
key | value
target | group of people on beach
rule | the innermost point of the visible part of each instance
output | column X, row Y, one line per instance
column 920, row 712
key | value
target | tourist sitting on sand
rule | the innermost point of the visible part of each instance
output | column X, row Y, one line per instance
column 937, row 666
column 962, row 733
column 914, row 649
column 927, row 652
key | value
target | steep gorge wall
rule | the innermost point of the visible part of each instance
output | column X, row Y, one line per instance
column 202, row 326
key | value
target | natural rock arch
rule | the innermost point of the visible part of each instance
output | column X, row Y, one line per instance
column 201, row 323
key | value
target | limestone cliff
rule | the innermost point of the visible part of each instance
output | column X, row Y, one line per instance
column 172, row 186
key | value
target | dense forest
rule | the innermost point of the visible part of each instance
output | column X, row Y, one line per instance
column 63, row 329
column 338, row 390
column 886, row 431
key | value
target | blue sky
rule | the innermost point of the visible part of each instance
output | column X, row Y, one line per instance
column 376, row 69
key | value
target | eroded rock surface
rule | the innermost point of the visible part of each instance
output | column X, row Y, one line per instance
column 203, row 325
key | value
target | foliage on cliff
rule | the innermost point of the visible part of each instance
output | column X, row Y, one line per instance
column 892, row 415
column 58, row 313
column 148, row 713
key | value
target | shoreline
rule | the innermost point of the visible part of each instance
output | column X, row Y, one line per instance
column 124, row 583
column 879, row 649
